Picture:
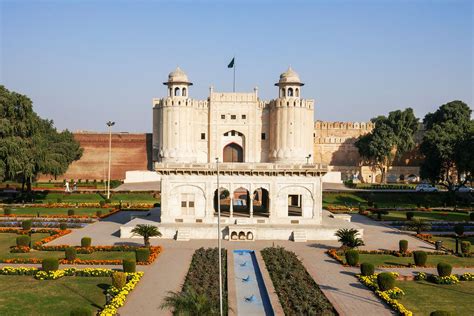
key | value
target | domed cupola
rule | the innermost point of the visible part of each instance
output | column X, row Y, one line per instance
column 178, row 83
column 289, row 84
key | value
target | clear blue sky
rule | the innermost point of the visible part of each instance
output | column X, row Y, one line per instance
column 86, row 62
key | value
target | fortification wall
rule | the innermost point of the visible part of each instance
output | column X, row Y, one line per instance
column 129, row 152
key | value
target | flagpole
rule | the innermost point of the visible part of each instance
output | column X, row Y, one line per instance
column 234, row 74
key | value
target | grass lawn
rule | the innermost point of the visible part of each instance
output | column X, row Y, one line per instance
column 427, row 216
column 450, row 242
column 433, row 260
column 384, row 199
column 33, row 211
column 41, row 197
column 23, row 295
column 7, row 240
column 423, row 297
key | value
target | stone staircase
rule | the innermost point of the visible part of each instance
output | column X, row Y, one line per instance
column 183, row 234
column 299, row 236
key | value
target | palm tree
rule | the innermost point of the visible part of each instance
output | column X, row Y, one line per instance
column 188, row 302
column 348, row 238
column 146, row 231
column 418, row 225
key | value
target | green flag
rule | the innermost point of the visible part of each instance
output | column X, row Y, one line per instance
column 231, row 64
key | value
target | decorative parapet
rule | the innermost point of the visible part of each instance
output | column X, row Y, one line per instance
column 242, row 168
column 169, row 102
column 321, row 125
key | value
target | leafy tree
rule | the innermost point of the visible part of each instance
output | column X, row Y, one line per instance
column 391, row 137
column 348, row 238
column 30, row 145
column 146, row 231
column 418, row 225
column 188, row 302
column 448, row 145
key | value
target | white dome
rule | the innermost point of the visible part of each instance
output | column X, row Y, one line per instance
column 178, row 76
column 289, row 77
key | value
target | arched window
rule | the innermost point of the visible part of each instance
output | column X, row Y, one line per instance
column 297, row 92
column 177, row 92
column 290, row 92
column 282, row 92
column 184, row 92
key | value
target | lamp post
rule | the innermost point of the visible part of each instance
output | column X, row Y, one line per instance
column 219, row 237
column 109, row 124
column 307, row 159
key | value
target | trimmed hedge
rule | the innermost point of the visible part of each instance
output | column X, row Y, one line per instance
column 296, row 289
column 403, row 246
column 70, row 213
column 410, row 215
column 8, row 211
column 367, row 269
column 119, row 279
column 420, row 258
column 81, row 311
column 98, row 213
column 86, row 242
column 129, row 265
column 142, row 254
column 26, row 225
column 444, row 269
column 385, row 281
column 62, row 226
column 465, row 247
column 459, row 229
column 70, row 253
column 352, row 257
column 50, row 264
column 23, row 241
column 441, row 313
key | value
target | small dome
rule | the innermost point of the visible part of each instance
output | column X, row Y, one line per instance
column 289, row 77
column 177, row 76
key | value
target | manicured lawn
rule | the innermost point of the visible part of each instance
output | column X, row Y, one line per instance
column 23, row 295
column 450, row 242
column 433, row 260
column 423, row 297
column 33, row 211
column 93, row 197
column 7, row 240
column 384, row 199
column 428, row 216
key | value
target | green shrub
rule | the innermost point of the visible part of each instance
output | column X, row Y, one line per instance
column 23, row 241
column 420, row 258
column 86, row 242
column 444, row 269
column 465, row 247
column 367, row 269
column 102, row 203
column 62, row 226
column 385, row 281
column 8, row 211
column 98, row 213
column 81, row 311
column 352, row 257
column 108, row 201
column 403, row 246
column 59, row 200
column 129, row 265
column 70, row 212
column 71, row 253
column 142, row 254
column 50, row 264
column 441, row 313
column 410, row 215
column 158, row 205
column 119, row 279
column 26, row 225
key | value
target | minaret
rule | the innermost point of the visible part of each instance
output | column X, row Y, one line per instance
column 291, row 133
column 173, row 121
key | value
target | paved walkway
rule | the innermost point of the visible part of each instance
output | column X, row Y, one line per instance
column 338, row 283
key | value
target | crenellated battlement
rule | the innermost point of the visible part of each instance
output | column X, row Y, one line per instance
column 296, row 103
column 169, row 102
column 323, row 125
column 233, row 97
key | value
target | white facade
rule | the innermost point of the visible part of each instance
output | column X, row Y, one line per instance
column 269, row 186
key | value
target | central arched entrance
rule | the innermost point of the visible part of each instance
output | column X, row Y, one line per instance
column 233, row 153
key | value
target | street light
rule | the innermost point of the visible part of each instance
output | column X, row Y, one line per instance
column 307, row 158
column 219, row 237
column 109, row 124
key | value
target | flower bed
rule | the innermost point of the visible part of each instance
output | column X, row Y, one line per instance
column 119, row 296
column 389, row 297
column 54, row 234
column 297, row 291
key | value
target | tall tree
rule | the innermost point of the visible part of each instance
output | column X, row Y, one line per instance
column 448, row 145
column 30, row 145
column 391, row 137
